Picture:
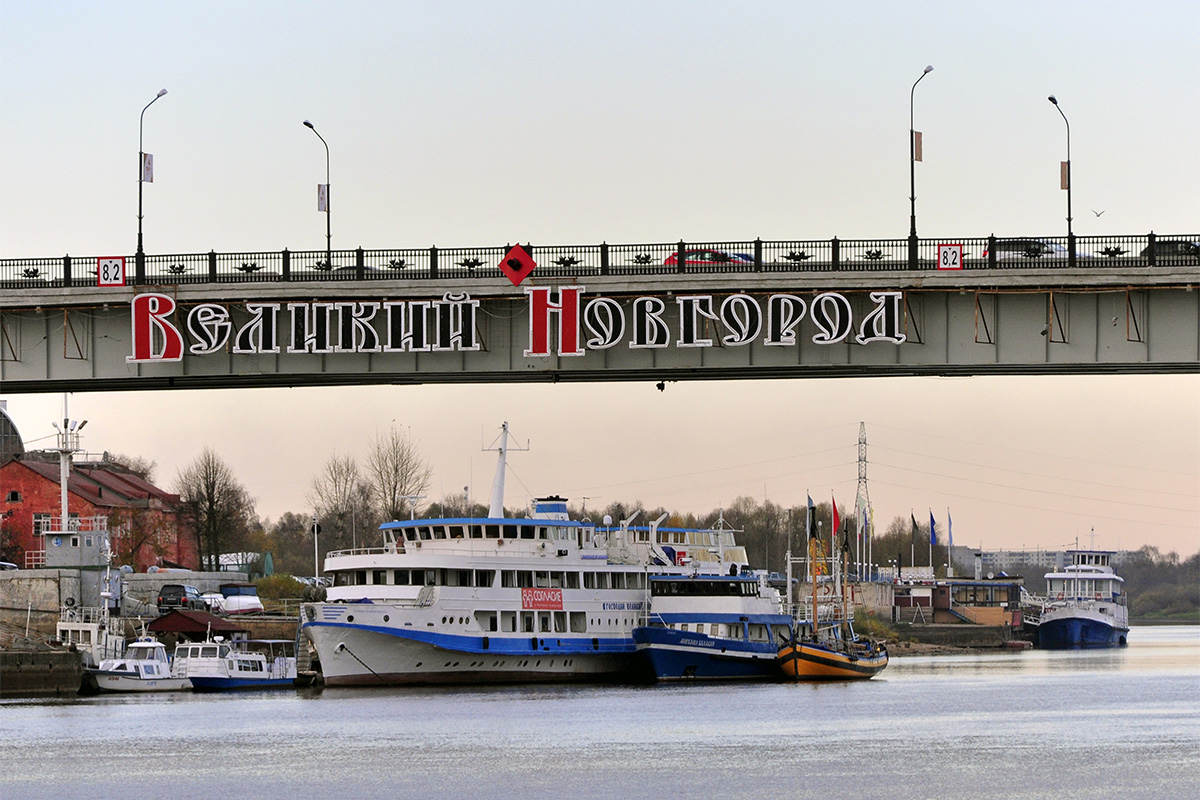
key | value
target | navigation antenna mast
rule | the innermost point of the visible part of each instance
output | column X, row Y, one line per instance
column 862, row 506
column 496, row 505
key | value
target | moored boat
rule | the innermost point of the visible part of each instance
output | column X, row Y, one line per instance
column 501, row 599
column 713, row 627
column 1085, row 605
column 835, row 654
column 217, row 665
column 144, row 668
column 824, row 645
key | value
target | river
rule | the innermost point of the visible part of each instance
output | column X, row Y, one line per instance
column 1034, row 724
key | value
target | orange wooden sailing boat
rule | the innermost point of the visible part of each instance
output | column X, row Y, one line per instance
column 830, row 650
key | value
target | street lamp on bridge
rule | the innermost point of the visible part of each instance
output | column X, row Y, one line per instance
column 912, row 173
column 145, row 169
column 325, row 196
column 1066, row 172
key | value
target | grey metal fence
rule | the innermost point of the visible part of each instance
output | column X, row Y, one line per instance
column 580, row 261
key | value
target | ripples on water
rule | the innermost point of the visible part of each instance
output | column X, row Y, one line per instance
column 1099, row 724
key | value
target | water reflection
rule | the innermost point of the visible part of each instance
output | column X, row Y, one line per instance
column 1034, row 724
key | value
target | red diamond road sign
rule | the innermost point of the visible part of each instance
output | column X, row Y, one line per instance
column 517, row 264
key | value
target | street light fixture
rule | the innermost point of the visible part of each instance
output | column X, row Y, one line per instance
column 1067, row 175
column 328, row 228
column 141, row 256
column 912, row 173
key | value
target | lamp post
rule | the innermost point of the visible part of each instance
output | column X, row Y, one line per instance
column 912, row 173
column 328, row 228
column 141, row 255
column 1067, row 180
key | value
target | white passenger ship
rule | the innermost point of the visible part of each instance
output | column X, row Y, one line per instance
column 499, row 599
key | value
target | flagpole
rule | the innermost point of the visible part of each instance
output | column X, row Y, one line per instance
column 912, row 540
column 949, row 543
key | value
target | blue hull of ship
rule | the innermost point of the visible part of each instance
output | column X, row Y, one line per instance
column 1072, row 632
column 673, row 657
column 238, row 684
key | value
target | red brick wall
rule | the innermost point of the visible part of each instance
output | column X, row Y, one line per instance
column 164, row 537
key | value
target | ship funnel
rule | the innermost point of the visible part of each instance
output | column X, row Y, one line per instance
column 550, row 508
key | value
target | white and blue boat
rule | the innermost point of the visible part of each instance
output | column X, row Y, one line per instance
column 221, row 666
column 1085, row 604
column 501, row 599
column 713, row 627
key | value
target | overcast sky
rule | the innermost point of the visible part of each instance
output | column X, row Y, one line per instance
column 474, row 124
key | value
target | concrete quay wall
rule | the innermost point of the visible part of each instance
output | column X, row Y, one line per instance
column 38, row 673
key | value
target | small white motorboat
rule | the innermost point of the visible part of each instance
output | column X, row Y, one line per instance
column 143, row 668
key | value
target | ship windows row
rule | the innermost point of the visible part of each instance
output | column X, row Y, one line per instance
column 531, row 532
column 486, row 578
column 532, row 621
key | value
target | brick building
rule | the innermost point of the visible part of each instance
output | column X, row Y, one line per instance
column 143, row 522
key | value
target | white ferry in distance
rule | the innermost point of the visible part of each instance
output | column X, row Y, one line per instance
column 497, row 599
column 1085, row 604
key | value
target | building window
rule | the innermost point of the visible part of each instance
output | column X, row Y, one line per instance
column 13, row 497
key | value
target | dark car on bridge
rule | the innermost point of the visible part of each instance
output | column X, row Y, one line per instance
column 1173, row 250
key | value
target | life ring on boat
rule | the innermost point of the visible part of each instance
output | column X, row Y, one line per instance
column 1097, row 595
column 1060, row 595
column 69, row 602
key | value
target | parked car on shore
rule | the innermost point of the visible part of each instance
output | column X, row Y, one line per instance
column 180, row 595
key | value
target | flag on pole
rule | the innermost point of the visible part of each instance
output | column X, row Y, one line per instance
column 932, row 529
column 916, row 145
column 949, row 529
column 322, row 197
column 147, row 168
column 836, row 522
column 808, row 519
column 914, row 527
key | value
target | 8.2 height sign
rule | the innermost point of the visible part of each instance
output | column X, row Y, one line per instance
column 110, row 271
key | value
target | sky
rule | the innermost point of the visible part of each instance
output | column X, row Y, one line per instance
column 481, row 123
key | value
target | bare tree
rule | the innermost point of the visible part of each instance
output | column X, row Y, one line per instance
column 334, row 490
column 138, row 465
column 216, row 503
column 397, row 473
column 344, row 501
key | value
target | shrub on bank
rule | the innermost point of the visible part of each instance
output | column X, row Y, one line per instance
column 870, row 626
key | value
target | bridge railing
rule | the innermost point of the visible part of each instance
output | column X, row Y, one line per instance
column 581, row 261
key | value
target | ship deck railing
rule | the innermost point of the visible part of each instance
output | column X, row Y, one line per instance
column 441, row 547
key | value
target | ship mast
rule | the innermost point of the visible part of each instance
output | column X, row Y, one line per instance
column 496, row 504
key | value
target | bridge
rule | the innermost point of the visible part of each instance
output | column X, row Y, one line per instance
column 660, row 312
